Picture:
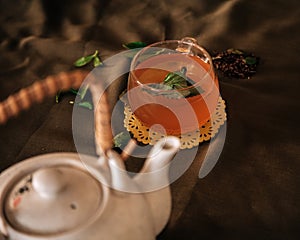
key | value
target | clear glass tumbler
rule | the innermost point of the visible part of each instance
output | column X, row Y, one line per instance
column 172, row 84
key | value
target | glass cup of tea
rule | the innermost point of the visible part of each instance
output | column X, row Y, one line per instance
column 172, row 85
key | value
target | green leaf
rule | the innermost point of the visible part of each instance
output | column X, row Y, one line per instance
column 83, row 91
column 121, row 139
column 195, row 91
column 87, row 105
column 176, row 78
column 95, row 53
column 74, row 91
column 83, row 61
column 250, row 60
column 97, row 62
column 57, row 97
column 177, row 81
column 133, row 45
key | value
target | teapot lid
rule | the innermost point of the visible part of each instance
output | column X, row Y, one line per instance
column 53, row 200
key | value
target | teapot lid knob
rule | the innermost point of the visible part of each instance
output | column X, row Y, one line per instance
column 48, row 182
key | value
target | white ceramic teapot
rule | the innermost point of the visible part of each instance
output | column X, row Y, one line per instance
column 58, row 196
column 68, row 196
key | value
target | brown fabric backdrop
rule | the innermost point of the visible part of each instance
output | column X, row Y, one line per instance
column 253, row 191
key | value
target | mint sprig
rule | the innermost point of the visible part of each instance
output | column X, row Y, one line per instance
column 80, row 62
column 87, row 59
column 176, row 80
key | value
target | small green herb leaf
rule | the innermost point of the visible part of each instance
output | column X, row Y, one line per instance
column 57, row 97
column 97, row 62
column 133, row 45
column 95, row 53
column 251, row 60
column 87, row 105
column 121, row 139
column 79, row 63
column 87, row 59
column 74, row 91
column 83, row 91
column 83, row 61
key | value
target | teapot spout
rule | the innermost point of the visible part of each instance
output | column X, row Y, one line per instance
column 155, row 171
column 153, row 180
column 120, row 181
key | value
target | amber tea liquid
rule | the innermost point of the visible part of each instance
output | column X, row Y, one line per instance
column 176, row 116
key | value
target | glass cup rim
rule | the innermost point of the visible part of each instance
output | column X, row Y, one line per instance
column 155, row 45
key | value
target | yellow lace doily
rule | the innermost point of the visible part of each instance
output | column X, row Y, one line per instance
column 188, row 140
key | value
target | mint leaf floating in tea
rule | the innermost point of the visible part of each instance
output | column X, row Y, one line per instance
column 176, row 81
column 236, row 63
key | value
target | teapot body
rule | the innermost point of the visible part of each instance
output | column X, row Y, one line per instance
column 120, row 215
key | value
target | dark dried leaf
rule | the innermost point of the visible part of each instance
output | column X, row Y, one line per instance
column 235, row 63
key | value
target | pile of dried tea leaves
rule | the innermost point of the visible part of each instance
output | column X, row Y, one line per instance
column 235, row 63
